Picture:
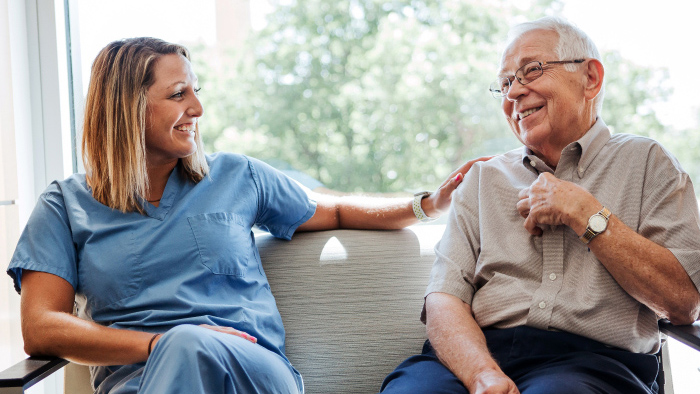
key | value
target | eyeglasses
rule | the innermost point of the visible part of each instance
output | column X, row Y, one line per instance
column 524, row 75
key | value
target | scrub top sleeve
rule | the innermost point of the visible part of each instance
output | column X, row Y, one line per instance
column 46, row 243
column 282, row 204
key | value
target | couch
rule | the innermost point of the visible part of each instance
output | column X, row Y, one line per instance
column 350, row 301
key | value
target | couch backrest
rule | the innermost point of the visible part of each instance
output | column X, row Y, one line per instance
column 350, row 301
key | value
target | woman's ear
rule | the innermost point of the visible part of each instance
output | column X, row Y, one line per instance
column 594, row 78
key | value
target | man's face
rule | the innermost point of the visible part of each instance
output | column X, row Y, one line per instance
column 550, row 112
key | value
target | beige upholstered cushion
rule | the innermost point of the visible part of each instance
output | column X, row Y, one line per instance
column 350, row 301
column 76, row 379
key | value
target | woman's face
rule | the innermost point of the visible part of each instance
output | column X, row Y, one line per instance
column 172, row 110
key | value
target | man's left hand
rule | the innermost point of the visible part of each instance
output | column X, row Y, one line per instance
column 552, row 201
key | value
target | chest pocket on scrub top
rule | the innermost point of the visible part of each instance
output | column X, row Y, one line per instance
column 223, row 241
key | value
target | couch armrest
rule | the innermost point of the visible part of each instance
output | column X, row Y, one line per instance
column 688, row 334
column 28, row 372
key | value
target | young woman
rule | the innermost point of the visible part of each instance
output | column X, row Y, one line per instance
column 153, row 245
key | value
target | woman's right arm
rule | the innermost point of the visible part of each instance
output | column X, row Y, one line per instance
column 49, row 327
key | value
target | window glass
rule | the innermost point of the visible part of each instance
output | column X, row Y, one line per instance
column 387, row 95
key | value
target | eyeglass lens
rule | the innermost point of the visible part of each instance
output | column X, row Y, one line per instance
column 525, row 74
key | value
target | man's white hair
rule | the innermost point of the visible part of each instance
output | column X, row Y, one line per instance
column 573, row 44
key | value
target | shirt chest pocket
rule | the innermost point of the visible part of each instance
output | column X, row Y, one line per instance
column 224, row 242
column 109, row 270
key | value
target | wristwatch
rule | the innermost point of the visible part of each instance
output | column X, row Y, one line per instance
column 418, row 210
column 597, row 223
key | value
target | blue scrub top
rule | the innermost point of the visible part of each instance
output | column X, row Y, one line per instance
column 191, row 260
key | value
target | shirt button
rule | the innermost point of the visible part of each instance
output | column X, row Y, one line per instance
column 532, row 163
column 543, row 305
column 552, row 276
column 580, row 171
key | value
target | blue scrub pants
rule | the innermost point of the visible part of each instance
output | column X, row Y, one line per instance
column 539, row 362
column 190, row 359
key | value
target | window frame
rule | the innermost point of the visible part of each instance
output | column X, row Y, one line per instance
column 37, row 139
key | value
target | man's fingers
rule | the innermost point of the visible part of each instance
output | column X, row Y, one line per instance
column 524, row 193
column 523, row 207
column 531, row 226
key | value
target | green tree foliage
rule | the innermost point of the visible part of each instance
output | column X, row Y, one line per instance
column 631, row 92
column 382, row 95
column 685, row 145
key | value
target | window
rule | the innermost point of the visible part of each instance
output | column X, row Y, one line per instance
column 390, row 96
column 33, row 77
column 361, row 95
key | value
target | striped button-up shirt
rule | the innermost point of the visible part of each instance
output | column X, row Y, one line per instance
column 554, row 282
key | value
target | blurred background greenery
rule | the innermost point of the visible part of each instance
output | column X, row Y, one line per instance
column 391, row 95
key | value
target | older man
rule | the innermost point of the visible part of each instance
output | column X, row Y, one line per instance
column 559, row 257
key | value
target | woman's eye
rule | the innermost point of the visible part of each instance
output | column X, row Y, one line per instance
column 181, row 93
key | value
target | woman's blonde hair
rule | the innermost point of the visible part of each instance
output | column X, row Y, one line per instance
column 114, row 147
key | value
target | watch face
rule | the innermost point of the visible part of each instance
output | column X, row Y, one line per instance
column 597, row 223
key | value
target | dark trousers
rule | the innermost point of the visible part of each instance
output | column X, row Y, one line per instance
column 539, row 362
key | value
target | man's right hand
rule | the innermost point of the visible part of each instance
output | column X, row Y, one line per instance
column 492, row 382
column 461, row 346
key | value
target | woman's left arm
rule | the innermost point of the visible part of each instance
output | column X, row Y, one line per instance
column 380, row 213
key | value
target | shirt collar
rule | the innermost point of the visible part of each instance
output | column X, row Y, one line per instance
column 174, row 184
column 592, row 143
column 589, row 145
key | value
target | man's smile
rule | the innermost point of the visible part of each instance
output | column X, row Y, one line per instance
column 525, row 114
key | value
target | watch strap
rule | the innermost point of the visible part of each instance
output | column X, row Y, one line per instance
column 590, row 233
column 418, row 209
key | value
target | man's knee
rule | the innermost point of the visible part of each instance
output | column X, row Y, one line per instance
column 423, row 374
column 592, row 374
column 571, row 383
